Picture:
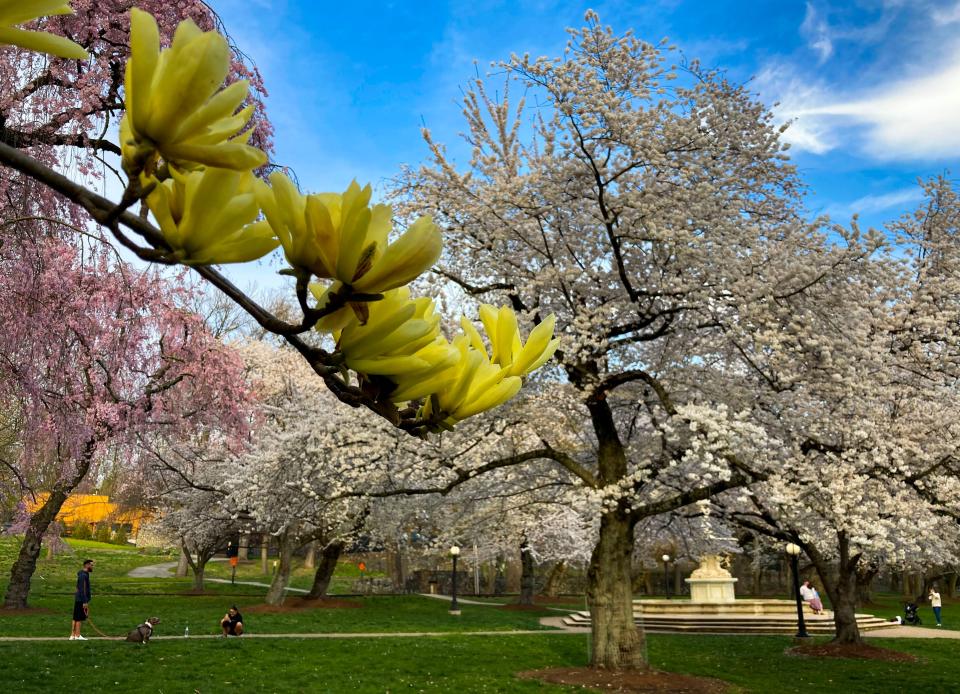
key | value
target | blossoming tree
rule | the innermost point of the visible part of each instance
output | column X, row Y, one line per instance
column 651, row 209
column 95, row 355
column 866, row 416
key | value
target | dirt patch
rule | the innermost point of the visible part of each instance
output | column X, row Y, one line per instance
column 633, row 681
column 854, row 651
column 23, row 611
column 196, row 591
column 301, row 604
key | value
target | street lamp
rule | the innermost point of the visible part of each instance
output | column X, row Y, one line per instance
column 794, row 552
column 454, row 608
column 666, row 578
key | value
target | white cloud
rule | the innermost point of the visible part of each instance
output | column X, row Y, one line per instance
column 946, row 15
column 869, row 204
column 817, row 32
column 913, row 118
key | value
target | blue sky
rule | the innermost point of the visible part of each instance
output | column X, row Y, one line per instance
column 873, row 86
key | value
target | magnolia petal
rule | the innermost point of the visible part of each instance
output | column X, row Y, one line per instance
column 405, row 259
column 226, row 156
column 144, row 55
column 42, row 42
column 387, row 366
column 537, row 342
column 493, row 397
column 222, row 106
column 250, row 243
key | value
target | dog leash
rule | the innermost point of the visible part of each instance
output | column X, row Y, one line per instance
column 98, row 630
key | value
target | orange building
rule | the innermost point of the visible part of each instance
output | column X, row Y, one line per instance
column 94, row 509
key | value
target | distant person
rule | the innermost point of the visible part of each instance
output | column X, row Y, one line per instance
column 232, row 622
column 816, row 603
column 81, row 600
column 935, row 603
column 811, row 597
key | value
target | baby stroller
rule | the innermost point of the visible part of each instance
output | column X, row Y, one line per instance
column 910, row 614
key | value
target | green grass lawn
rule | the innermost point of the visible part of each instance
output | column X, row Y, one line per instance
column 447, row 664
column 300, row 577
column 458, row 662
column 890, row 605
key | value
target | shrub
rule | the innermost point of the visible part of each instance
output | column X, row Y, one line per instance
column 81, row 531
column 120, row 537
column 102, row 533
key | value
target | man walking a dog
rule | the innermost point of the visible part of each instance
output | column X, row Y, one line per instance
column 81, row 600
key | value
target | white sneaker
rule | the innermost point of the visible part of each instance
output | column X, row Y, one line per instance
column 81, row 638
column 72, row 637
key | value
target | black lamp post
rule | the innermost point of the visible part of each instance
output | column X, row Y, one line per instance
column 794, row 552
column 666, row 577
column 454, row 607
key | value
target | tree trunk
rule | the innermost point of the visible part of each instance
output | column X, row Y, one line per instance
column 865, row 578
column 951, row 585
column 842, row 592
column 649, row 582
column 198, row 570
column 21, row 573
column 394, row 561
column 528, row 574
column 243, row 547
column 329, row 556
column 617, row 642
column 555, row 579
column 199, row 566
column 278, row 585
column 264, row 546
column 182, row 565
column 310, row 558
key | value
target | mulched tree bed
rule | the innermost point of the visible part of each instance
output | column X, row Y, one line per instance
column 859, row 651
column 301, row 604
column 632, row 681
column 23, row 611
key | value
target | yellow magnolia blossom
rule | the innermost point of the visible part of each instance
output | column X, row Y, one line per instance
column 400, row 339
column 286, row 210
column 207, row 217
column 175, row 107
column 341, row 237
column 401, row 342
column 507, row 350
column 14, row 12
column 475, row 385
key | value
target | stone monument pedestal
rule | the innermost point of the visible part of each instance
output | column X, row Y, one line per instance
column 711, row 583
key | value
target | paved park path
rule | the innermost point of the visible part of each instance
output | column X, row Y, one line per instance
column 354, row 635
column 163, row 571
column 897, row 632
column 556, row 623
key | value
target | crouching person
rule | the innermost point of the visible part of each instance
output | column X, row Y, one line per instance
column 232, row 622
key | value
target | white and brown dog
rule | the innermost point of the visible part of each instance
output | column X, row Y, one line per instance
column 144, row 631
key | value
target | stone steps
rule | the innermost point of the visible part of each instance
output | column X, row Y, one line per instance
column 734, row 624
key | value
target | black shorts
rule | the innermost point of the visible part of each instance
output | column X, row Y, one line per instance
column 79, row 615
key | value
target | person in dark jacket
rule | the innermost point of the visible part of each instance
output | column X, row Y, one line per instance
column 232, row 622
column 81, row 599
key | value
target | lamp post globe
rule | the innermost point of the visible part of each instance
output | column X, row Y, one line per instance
column 454, row 607
column 793, row 551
